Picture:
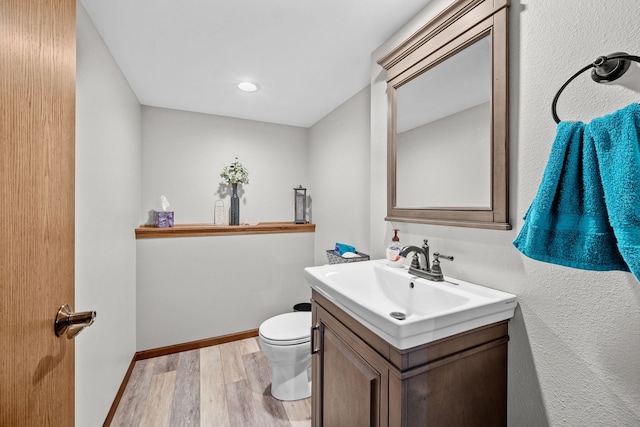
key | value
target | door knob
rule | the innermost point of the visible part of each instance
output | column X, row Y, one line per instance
column 71, row 324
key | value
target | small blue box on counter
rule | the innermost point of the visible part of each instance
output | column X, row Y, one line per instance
column 163, row 219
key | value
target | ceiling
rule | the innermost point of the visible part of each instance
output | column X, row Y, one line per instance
column 306, row 57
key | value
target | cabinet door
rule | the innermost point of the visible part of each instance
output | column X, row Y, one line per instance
column 351, row 380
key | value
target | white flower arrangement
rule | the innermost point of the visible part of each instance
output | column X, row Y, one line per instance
column 235, row 173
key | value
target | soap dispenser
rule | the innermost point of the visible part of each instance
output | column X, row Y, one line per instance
column 393, row 251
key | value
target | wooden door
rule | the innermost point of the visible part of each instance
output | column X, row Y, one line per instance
column 351, row 379
column 37, row 137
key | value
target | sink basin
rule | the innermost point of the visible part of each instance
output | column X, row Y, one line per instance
column 405, row 310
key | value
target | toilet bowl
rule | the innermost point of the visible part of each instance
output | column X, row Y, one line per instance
column 284, row 340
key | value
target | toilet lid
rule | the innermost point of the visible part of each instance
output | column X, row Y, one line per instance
column 287, row 328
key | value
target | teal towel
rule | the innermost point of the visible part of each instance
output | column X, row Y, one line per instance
column 342, row 248
column 586, row 213
column 617, row 141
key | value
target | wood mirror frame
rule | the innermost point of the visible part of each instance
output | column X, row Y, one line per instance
column 461, row 24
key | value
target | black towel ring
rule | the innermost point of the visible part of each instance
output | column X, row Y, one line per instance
column 605, row 69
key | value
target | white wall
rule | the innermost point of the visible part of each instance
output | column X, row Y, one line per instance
column 574, row 339
column 195, row 288
column 339, row 176
column 184, row 153
column 201, row 287
column 108, row 138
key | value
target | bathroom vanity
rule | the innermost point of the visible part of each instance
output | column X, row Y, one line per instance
column 359, row 379
column 394, row 349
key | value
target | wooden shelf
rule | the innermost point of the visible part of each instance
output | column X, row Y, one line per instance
column 146, row 231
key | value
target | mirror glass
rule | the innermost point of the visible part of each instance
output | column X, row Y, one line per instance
column 443, row 133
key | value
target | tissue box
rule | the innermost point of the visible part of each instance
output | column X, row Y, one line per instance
column 163, row 219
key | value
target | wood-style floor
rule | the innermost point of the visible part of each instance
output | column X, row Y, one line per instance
column 223, row 385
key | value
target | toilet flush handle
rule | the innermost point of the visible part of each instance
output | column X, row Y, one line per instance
column 314, row 328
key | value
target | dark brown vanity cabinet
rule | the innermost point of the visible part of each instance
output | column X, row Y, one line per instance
column 361, row 380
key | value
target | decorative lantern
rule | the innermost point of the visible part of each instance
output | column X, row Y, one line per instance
column 300, row 205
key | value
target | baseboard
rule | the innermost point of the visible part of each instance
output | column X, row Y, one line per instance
column 194, row 345
column 116, row 400
column 163, row 351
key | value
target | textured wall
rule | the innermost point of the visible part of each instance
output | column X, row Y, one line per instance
column 574, row 339
column 108, row 139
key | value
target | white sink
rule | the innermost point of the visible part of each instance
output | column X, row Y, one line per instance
column 370, row 291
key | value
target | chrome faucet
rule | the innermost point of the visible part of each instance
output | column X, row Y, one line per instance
column 424, row 250
column 415, row 262
column 433, row 272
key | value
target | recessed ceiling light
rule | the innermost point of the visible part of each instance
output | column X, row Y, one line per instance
column 247, row 86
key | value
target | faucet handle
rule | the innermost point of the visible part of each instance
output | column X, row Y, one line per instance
column 426, row 243
column 438, row 255
column 435, row 265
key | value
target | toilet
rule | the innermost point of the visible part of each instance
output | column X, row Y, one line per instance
column 284, row 340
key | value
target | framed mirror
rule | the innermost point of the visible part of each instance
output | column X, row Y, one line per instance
column 447, row 157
